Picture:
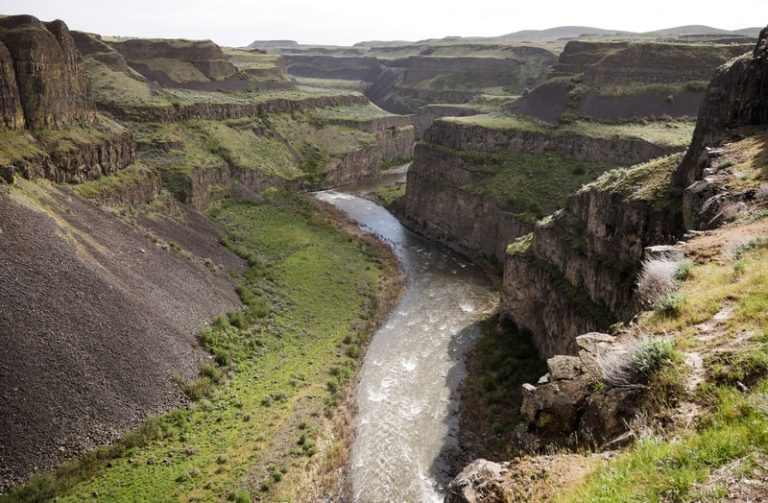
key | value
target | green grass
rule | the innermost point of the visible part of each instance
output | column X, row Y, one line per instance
column 118, row 88
column 16, row 146
column 175, row 69
column 668, row 470
column 529, row 185
column 390, row 196
column 650, row 181
column 309, row 290
column 734, row 424
column 360, row 113
column 673, row 133
column 339, row 84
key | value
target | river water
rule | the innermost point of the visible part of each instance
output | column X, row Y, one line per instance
column 406, row 423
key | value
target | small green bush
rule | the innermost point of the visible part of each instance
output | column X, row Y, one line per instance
column 670, row 304
column 637, row 362
column 684, row 270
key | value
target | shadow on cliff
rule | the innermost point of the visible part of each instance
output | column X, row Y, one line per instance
column 452, row 458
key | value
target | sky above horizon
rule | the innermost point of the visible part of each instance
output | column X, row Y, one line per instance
column 344, row 22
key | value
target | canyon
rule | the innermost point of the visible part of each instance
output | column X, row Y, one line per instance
column 313, row 273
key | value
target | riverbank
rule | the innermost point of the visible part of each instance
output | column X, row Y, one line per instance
column 269, row 409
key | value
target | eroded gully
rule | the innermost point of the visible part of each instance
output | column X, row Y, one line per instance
column 406, row 424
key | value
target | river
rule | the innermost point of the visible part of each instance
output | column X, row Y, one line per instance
column 406, row 424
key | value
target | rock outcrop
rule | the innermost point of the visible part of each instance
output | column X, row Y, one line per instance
column 736, row 97
column 566, row 408
column 91, row 45
column 204, row 55
column 53, row 90
column 223, row 111
column 11, row 113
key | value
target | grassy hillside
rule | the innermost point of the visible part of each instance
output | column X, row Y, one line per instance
column 278, row 371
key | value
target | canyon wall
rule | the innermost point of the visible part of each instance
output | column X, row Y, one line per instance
column 613, row 81
column 438, row 204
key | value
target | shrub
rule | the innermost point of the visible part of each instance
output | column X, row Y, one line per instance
column 741, row 248
column 635, row 362
column 670, row 304
column 199, row 388
column 237, row 319
column 657, row 280
column 212, row 372
column 684, row 270
column 239, row 496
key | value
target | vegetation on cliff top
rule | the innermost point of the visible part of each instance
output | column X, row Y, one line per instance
column 673, row 133
column 311, row 296
column 529, row 185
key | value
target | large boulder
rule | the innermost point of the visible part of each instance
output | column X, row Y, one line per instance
column 481, row 481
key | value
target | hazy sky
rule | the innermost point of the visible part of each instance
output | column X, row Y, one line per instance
column 238, row 22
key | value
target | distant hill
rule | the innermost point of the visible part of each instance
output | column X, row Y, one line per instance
column 692, row 29
column 581, row 31
column 562, row 32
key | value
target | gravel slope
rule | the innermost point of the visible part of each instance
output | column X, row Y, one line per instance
column 95, row 322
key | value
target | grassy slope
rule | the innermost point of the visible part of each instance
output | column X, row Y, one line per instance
column 735, row 425
column 309, row 290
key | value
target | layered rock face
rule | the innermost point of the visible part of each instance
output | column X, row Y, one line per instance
column 202, row 54
column 11, row 112
column 50, row 81
column 92, row 45
column 623, row 80
column 366, row 69
column 591, row 251
column 736, row 97
column 575, row 273
column 473, row 223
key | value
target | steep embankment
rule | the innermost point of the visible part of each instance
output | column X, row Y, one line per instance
column 479, row 182
column 98, row 319
column 626, row 80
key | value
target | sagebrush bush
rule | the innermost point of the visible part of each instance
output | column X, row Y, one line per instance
column 636, row 361
column 670, row 304
column 656, row 280
column 684, row 270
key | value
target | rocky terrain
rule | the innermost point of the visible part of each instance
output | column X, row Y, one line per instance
column 425, row 79
column 590, row 264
